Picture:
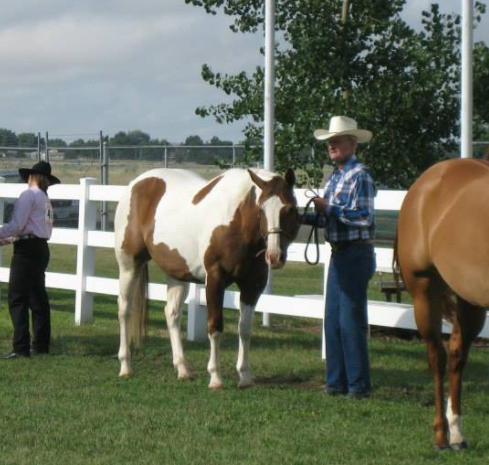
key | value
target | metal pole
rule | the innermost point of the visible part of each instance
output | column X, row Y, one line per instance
column 234, row 155
column 166, row 156
column 38, row 146
column 466, row 115
column 46, row 148
column 269, row 117
column 104, row 178
column 269, row 104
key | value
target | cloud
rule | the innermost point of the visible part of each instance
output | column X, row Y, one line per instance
column 83, row 66
column 113, row 62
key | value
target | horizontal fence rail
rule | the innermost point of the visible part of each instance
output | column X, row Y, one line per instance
column 85, row 284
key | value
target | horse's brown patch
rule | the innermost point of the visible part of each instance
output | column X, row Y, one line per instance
column 234, row 251
column 205, row 190
column 138, row 238
column 277, row 186
column 171, row 262
column 145, row 196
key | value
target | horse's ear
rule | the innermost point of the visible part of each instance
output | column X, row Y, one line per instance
column 257, row 180
column 290, row 177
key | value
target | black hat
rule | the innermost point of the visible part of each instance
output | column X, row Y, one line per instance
column 43, row 168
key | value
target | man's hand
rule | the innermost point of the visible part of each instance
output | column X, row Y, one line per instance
column 319, row 204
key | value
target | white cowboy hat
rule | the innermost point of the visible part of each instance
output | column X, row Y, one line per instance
column 343, row 126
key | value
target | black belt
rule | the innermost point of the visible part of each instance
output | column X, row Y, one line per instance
column 23, row 237
column 342, row 245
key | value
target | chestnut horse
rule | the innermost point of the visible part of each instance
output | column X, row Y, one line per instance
column 228, row 230
column 443, row 253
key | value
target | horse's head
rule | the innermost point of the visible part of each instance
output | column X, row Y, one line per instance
column 279, row 217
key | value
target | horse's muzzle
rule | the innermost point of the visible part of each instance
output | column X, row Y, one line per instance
column 275, row 260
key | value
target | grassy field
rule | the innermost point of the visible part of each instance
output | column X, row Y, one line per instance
column 71, row 408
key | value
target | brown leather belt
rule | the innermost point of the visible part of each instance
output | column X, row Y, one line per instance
column 342, row 245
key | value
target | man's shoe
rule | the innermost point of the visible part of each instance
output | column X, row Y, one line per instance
column 38, row 352
column 14, row 355
column 358, row 395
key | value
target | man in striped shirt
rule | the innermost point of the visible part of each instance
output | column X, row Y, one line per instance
column 348, row 210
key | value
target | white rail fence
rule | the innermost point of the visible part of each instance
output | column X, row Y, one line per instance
column 85, row 284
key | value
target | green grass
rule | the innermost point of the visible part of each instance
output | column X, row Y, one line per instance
column 71, row 408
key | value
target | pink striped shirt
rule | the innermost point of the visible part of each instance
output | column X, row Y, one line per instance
column 33, row 214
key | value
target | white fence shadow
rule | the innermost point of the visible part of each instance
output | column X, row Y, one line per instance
column 85, row 284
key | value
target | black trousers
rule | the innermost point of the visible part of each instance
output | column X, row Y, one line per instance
column 26, row 291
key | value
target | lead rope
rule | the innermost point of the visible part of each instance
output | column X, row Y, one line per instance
column 313, row 234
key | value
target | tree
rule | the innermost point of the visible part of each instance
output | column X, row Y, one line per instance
column 401, row 84
column 27, row 139
column 8, row 138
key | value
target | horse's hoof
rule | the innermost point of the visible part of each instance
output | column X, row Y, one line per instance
column 439, row 448
column 184, row 375
column 125, row 375
column 245, row 384
column 458, row 446
column 216, row 387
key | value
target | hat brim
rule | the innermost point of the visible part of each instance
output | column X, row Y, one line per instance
column 362, row 135
column 26, row 172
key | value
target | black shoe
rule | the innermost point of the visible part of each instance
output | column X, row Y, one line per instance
column 358, row 395
column 38, row 352
column 14, row 355
column 333, row 392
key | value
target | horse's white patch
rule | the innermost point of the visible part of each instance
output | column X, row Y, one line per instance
column 454, row 425
column 271, row 208
column 245, row 328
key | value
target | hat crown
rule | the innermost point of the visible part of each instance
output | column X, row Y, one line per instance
column 342, row 123
column 42, row 167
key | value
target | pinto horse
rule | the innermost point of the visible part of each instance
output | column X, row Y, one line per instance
column 443, row 253
column 228, row 230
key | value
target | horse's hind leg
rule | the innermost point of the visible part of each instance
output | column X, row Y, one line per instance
column 467, row 324
column 427, row 296
column 176, row 294
column 129, row 274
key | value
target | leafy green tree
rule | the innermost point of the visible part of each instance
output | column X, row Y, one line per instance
column 55, row 142
column 27, row 139
column 399, row 83
column 8, row 138
column 481, row 97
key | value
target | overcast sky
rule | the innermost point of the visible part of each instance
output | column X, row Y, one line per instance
column 73, row 68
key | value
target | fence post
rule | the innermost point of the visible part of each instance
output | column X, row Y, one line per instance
column 2, row 208
column 166, row 156
column 196, row 315
column 85, row 263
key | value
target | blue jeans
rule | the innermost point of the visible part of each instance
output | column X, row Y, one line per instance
column 346, row 319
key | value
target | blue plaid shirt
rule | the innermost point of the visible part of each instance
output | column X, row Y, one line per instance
column 349, row 212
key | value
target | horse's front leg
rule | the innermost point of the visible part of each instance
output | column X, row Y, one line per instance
column 245, row 330
column 250, row 293
column 214, row 290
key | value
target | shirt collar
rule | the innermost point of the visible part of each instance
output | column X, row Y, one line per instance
column 348, row 165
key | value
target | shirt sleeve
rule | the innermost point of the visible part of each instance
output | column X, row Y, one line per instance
column 22, row 210
column 358, row 209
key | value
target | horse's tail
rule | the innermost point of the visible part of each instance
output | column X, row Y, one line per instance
column 396, row 269
column 140, row 313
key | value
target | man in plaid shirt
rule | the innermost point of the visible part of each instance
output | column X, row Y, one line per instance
column 348, row 209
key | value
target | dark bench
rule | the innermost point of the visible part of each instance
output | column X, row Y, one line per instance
column 390, row 288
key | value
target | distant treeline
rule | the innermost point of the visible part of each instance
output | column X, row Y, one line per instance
column 142, row 146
